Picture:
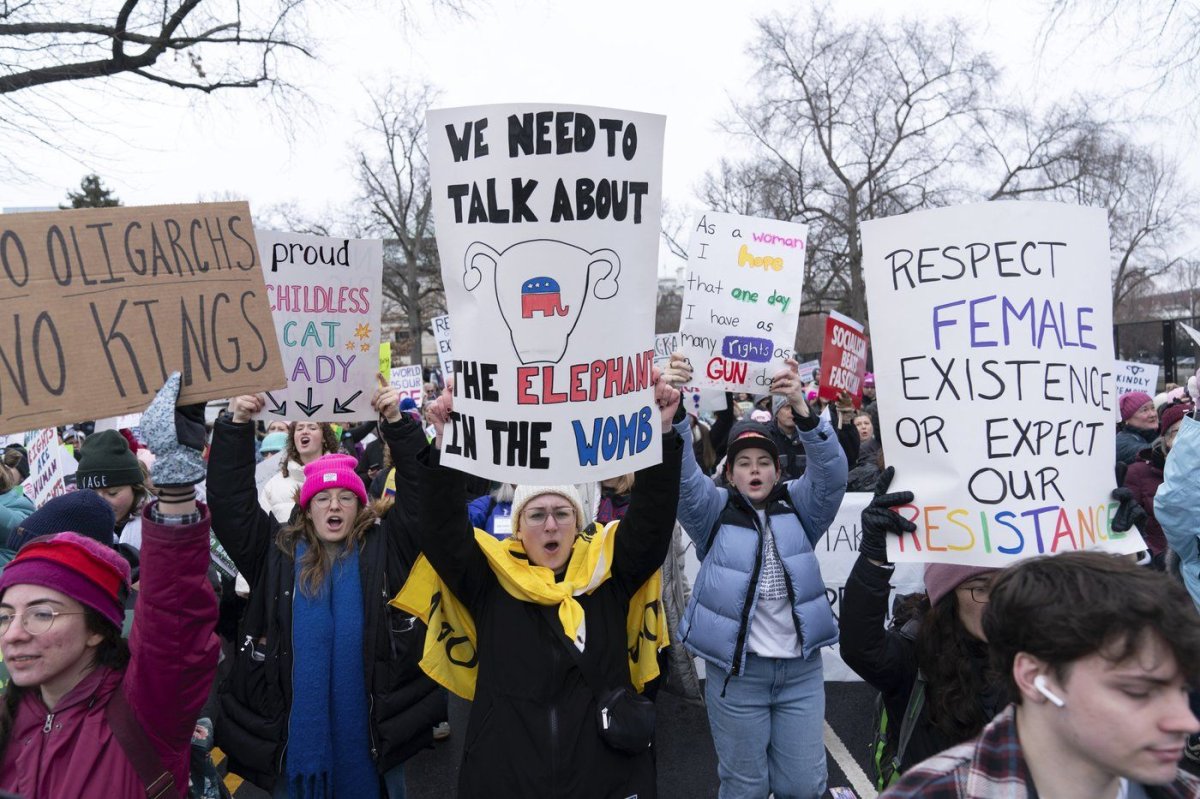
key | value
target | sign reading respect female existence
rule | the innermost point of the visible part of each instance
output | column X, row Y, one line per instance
column 991, row 332
column 326, row 300
column 741, row 301
column 547, row 227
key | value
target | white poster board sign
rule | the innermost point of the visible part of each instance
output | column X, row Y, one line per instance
column 445, row 351
column 326, row 300
column 129, row 420
column 996, row 389
column 408, row 383
column 547, row 228
column 46, row 474
column 1133, row 376
column 741, row 300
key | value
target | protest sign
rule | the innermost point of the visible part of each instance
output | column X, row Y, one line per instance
column 741, row 300
column 1133, row 376
column 46, row 475
column 843, row 358
column 127, row 420
column 441, row 335
column 326, row 299
column 408, row 383
column 809, row 371
column 547, row 228
column 996, row 387
column 385, row 358
column 102, row 304
column 694, row 400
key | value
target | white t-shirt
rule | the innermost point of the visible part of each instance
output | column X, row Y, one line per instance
column 772, row 631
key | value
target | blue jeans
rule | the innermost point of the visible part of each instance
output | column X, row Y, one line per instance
column 393, row 784
column 769, row 728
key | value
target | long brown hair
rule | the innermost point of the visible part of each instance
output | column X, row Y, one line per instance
column 328, row 444
column 112, row 652
column 947, row 655
column 317, row 561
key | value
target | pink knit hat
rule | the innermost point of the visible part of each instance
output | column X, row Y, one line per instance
column 943, row 578
column 331, row 471
column 1131, row 402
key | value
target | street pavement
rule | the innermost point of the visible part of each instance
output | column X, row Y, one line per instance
column 687, row 765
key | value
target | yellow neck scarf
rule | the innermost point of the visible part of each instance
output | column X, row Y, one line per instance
column 449, row 654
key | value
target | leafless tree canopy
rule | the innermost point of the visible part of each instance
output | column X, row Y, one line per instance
column 393, row 176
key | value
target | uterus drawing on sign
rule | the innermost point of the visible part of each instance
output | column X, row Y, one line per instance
column 541, row 287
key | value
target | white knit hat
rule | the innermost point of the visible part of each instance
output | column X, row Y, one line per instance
column 525, row 493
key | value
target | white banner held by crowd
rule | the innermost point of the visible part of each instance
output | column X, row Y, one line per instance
column 741, row 301
column 326, row 300
column 996, row 388
column 547, row 228
column 441, row 335
column 408, row 383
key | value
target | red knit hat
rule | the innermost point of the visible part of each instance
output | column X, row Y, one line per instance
column 331, row 471
column 85, row 570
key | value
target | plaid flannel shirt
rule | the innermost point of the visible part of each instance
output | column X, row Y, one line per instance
column 991, row 767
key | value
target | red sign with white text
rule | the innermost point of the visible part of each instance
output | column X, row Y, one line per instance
column 843, row 358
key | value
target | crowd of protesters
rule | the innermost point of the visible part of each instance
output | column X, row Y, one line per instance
column 371, row 580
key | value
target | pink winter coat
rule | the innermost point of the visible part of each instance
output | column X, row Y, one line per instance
column 72, row 752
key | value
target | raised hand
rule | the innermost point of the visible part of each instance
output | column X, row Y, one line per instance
column 667, row 398
column 386, row 402
column 786, row 383
column 878, row 518
column 244, row 407
column 1129, row 512
column 176, row 436
column 679, row 370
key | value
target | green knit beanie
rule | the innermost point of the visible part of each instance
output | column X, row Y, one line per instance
column 107, row 461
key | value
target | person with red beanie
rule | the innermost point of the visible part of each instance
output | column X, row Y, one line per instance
column 87, row 712
column 325, row 697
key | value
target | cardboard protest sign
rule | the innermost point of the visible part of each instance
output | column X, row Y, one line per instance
column 843, row 358
column 408, row 383
column 547, row 228
column 741, row 301
column 996, row 387
column 102, row 304
column 1133, row 376
column 46, row 472
column 441, row 335
column 326, row 299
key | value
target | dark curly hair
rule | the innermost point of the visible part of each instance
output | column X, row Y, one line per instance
column 948, row 656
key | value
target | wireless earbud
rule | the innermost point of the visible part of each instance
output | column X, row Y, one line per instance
column 1039, row 684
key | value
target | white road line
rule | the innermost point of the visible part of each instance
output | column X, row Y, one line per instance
column 849, row 766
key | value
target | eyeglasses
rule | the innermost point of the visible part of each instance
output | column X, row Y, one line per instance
column 536, row 517
column 980, row 593
column 36, row 620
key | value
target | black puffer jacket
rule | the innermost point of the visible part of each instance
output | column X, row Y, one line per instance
column 256, row 697
column 887, row 660
column 532, row 730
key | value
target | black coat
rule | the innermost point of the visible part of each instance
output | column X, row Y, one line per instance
column 533, row 729
column 256, row 697
column 887, row 660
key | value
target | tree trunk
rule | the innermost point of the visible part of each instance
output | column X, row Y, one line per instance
column 857, row 305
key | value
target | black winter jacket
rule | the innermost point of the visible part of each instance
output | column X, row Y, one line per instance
column 533, row 729
column 256, row 697
column 887, row 660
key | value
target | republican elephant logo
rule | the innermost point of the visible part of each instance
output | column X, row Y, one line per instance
column 541, row 287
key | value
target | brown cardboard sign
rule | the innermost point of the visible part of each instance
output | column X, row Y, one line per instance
column 98, row 306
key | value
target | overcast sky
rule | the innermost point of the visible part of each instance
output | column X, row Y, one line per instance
column 684, row 59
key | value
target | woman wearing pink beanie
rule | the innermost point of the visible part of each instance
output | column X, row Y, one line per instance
column 325, row 696
column 1138, row 427
column 86, row 712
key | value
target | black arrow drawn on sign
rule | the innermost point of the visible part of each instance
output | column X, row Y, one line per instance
column 309, row 409
column 338, row 407
column 279, row 408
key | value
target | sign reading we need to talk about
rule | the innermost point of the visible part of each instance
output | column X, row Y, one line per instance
column 991, row 331
column 741, row 301
column 547, row 228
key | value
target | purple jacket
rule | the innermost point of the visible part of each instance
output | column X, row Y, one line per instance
column 1143, row 478
column 173, row 659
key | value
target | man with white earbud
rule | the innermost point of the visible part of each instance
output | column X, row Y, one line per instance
column 1099, row 655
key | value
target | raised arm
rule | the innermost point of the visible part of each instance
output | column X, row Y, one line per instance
column 700, row 501
column 244, row 529
column 405, row 440
column 446, row 536
column 644, row 535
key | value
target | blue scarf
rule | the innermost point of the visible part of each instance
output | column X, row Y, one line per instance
column 329, row 746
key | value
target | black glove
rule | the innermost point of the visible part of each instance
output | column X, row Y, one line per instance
column 1129, row 512
column 176, row 436
column 878, row 518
